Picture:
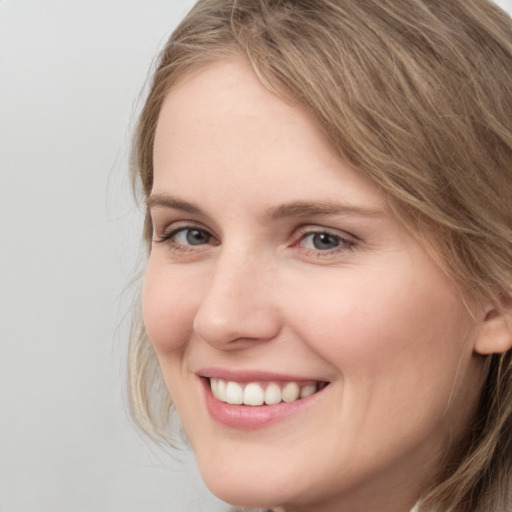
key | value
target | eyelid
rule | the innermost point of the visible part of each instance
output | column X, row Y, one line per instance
column 174, row 228
column 302, row 231
column 348, row 242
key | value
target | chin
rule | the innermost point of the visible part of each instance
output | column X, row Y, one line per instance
column 246, row 488
column 247, row 496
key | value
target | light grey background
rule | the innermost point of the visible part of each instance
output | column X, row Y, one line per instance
column 70, row 77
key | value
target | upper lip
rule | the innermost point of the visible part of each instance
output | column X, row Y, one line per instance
column 236, row 375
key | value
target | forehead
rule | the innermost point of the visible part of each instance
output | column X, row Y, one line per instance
column 224, row 101
column 220, row 129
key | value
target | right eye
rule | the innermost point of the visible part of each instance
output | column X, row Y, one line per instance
column 185, row 238
column 188, row 236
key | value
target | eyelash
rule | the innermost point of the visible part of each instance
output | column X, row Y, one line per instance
column 345, row 243
column 169, row 237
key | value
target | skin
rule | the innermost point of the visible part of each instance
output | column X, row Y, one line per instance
column 372, row 313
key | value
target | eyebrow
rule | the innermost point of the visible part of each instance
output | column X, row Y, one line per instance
column 321, row 208
column 164, row 201
column 293, row 209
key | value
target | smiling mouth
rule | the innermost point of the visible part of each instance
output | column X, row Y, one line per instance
column 258, row 393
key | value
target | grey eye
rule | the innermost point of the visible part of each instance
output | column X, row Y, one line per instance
column 322, row 241
column 192, row 237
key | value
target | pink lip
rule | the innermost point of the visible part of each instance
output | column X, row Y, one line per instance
column 251, row 375
column 246, row 416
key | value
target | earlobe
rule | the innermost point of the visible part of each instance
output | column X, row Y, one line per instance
column 495, row 332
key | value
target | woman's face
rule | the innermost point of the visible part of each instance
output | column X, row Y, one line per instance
column 276, row 270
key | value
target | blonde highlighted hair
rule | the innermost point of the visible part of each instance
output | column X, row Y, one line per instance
column 415, row 94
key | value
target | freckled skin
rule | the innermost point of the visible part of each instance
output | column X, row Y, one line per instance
column 369, row 311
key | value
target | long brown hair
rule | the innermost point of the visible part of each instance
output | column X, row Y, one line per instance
column 415, row 94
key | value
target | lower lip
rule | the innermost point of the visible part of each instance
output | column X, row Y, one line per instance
column 252, row 417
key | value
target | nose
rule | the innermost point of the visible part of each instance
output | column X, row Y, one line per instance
column 237, row 306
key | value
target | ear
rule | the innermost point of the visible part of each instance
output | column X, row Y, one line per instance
column 495, row 330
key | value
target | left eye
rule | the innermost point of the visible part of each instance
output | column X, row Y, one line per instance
column 189, row 236
column 322, row 241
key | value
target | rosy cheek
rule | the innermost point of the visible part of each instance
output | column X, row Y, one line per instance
column 167, row 311
column 374, row 319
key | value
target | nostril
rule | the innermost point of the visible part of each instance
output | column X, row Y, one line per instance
column 237, row 326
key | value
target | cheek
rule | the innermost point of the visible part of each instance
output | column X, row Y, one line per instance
column 399, row 349
column 387, row 325
column 168, row 307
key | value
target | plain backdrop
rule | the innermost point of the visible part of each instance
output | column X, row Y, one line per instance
column 71, row 76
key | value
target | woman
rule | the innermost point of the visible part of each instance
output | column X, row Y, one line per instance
column 327, row 297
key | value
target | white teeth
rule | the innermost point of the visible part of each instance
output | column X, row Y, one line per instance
column 272, row 394
column 307, row 390
column 234, row 393
column 254, row 394
column 214, row 384
column 221, row 390
column 290, row 392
